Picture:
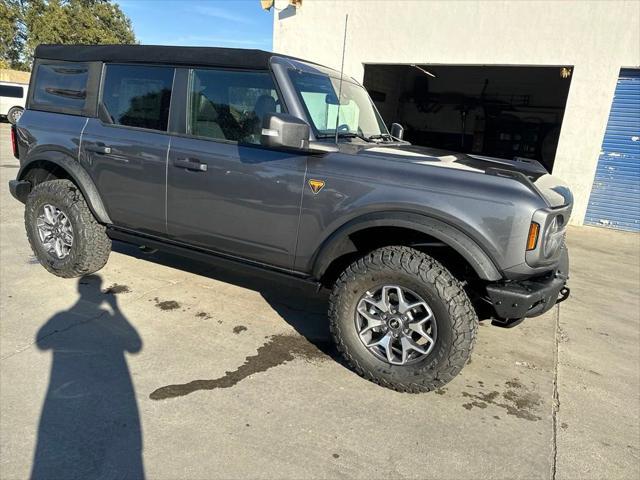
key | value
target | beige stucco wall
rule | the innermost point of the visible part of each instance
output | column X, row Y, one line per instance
column 596, row 37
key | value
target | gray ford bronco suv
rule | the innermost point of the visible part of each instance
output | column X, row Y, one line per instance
column 284, row 165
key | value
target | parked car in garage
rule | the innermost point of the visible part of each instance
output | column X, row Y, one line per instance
column 286, row 166
column 12, row 100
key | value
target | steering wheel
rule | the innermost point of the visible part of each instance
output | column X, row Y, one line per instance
column 344, row 128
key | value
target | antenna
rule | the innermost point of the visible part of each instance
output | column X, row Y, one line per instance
column 344, row 47
column 423, row 70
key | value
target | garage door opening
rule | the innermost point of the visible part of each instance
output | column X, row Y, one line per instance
column 497, row 111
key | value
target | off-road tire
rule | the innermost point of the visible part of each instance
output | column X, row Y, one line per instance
column 456, row 319
column 91, row 245
column 11, row 115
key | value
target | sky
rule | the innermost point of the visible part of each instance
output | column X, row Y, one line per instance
column 207, row 23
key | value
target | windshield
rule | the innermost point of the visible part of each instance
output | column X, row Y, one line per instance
column 319, row 94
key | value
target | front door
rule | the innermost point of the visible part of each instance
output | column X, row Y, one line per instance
column 127, row 155
column 224, row 191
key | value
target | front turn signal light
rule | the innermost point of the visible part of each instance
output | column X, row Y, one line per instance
column 532, row 239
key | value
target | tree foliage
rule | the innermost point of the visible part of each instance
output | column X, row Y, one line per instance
column 24, row 24
column 10, row 37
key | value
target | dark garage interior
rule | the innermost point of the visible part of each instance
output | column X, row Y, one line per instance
column 501, row 111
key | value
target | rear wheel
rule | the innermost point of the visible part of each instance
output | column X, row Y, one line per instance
column 14, row 114
column 402, row 320
column 63, row 233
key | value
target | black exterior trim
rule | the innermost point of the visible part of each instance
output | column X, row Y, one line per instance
column 179, row 102
column 19, row 189
column 201, row 254
column 531, row 297
column 79, row 176
column 174, row 55
column 335, row 245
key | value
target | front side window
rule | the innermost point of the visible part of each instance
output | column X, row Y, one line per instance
column 11, row 91
column 355, row 115
column 138, row 96
column 61, row 86
column 230, row 105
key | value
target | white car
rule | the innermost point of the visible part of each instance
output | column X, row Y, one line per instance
column 12, row 100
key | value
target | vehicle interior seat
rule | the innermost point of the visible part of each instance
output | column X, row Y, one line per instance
column 264, row 104
column 205, row 123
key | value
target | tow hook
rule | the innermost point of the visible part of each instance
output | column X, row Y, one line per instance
column 564, row 294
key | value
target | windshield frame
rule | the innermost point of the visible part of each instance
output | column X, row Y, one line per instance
column 319, row 134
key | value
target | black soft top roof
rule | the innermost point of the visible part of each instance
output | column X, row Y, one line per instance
column 213, row 56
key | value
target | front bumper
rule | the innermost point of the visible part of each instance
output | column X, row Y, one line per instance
column 514, row 301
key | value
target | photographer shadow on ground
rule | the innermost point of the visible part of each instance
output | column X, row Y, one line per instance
column 89, row 426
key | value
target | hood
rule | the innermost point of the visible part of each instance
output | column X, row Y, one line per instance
column 531, row 172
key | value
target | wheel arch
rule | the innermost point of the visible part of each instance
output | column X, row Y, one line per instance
column 341, row 246
column 55, row 164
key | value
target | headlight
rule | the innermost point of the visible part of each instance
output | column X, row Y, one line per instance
column 553, row 237
column 552, row 230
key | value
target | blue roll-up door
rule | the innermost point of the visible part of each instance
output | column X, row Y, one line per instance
column 615, row 196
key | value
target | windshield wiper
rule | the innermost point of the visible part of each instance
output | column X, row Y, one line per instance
column 380, row 136
column 346, row 135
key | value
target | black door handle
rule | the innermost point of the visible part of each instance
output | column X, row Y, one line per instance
column 190, row 164
column 103, row 149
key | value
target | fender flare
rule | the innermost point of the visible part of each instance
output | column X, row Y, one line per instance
column 339, row 242
column 77, row 174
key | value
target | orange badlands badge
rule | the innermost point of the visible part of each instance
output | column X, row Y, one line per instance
column 316, row 185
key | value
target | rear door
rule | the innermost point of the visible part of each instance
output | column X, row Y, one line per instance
column 125, row 151
column 224, row 191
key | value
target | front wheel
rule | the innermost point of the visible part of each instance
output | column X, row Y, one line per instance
column 64, row 235
column 402, row 320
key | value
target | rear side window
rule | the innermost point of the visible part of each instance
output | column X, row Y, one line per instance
column 61, row 87
column 11, row 91
column 138, row 96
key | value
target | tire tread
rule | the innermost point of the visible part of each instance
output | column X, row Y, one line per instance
column 90, row 237
column 451, row 291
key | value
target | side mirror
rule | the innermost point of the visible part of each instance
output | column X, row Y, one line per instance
column 397, row 131
column 282, row 130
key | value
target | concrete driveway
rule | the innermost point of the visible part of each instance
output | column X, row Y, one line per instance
column 179, row 370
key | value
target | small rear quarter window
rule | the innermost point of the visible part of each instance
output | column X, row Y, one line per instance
column 61, row 86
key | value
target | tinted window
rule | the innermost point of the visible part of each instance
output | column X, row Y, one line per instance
column 11, row 91
column 138, row 96
column 61, row 85
column 229, row 105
